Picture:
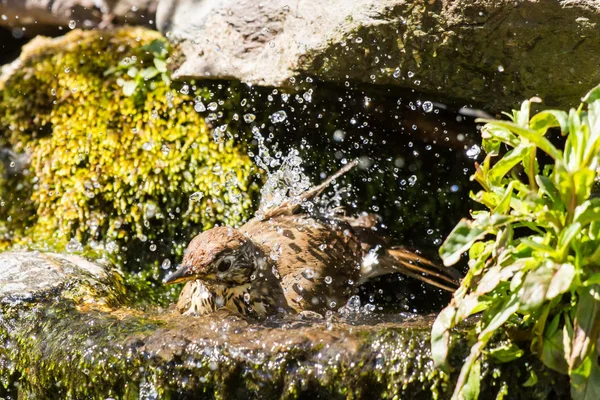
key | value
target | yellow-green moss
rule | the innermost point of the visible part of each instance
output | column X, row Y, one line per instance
column 108, row 167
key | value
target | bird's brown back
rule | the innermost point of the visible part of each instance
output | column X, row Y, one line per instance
column 318, row 259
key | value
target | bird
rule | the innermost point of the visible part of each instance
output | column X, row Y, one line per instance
column 289, row 260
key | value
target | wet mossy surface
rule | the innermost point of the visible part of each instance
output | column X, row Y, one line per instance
column 59, row 346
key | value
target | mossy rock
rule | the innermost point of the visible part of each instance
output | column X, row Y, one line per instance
column 57, row 344
column 109, row 169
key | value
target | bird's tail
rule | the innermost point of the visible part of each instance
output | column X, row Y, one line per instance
column 398, row 260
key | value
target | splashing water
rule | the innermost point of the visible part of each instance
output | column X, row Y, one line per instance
column 286, row 180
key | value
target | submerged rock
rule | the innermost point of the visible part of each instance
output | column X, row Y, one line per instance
column 493, row 53
column 59, row 344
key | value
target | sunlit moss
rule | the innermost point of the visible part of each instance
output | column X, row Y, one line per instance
column 110, row 169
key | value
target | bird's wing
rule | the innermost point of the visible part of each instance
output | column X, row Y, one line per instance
column 290, row 208
column 408, row 263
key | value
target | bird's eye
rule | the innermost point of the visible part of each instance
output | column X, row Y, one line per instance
column 224, row 265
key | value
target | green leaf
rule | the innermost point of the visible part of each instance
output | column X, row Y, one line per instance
column 561, row 281
column 564, row 183
column 148, row 73
column 533, row 136
column 586, row 325
column 160, row 65
column 491, row 131
column 533, row 292
column 583, row 181
column 547, row 119
column 502, row 314
column 585, row 380
column 508, row 162
column 157, row 47
column 592, row 95
column 504, row 204
column 506, row 353
column 587, row 212
column 460, row 240
column 553, row 350
column 132, row 72
column 473, row 384
column 532, row 380
column 440, row 335
column 129, row 87
column 567, row 235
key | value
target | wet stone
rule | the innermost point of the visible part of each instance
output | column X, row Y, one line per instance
column 75, row 337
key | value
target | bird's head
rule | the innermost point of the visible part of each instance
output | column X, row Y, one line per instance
column 219, row 256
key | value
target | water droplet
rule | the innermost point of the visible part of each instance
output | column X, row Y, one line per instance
column 474, row 151
column 500, row 68
column 196, row 196
column 165, row 149
column 427, row 106
column 185, row 89
column 278, row 116
column 396, row 73
column 199, row 107
column 328, row 280
column 247, row 297
column 112, row 247
column 152, row 247
column 412, row 180
column 339, row 135
column 308, row 273
column 359, row 40
column 166, row 264
column 212, row 106
column 249, row 118
column 353, row 304
column 410, row 74
column 74, row 246
column 72, row 24
column 308, row 96
column 217, row 169
column 147, row 146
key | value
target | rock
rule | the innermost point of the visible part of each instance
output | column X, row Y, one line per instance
column 46, row 16
column 492, row 53
column 28, row 277
column 60, row 345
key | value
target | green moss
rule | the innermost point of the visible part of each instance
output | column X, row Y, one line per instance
column 108, row 169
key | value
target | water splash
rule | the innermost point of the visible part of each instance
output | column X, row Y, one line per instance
column 286, row 180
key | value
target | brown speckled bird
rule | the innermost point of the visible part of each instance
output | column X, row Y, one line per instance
column 290, row 261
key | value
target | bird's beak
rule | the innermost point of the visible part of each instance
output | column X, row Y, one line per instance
column 182, row 274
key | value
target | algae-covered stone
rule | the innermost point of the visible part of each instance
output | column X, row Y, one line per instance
column 120, row 158
column 64, row 346
column 491, row 52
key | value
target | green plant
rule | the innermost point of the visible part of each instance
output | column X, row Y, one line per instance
column 534, row 255
column 133, row 74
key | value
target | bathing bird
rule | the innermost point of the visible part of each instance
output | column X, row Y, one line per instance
column 293, row 259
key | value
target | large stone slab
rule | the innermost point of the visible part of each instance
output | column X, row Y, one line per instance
column 58, row 343
column 488, row 52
